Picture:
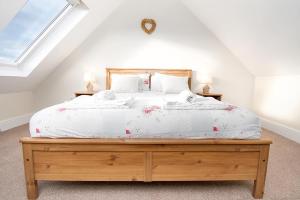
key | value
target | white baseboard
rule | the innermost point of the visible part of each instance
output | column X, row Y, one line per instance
column 285, row 131
column 14, row 122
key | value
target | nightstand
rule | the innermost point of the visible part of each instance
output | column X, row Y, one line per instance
column 216, row 96
column 77, row 94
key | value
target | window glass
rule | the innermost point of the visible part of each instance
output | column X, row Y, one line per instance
column 27, row 26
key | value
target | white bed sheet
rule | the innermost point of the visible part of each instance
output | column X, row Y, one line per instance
column 146, row 119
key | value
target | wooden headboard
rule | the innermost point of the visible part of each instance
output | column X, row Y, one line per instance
column 174, row 72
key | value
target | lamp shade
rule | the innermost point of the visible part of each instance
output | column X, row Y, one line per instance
column 89, row 77
column 206, row 79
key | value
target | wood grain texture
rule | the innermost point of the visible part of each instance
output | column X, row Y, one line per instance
column 148, row 166
column 259, row 183
column 143, row 148
column 144, row 160
column 89, row 166
column 141, row 141
column 174, row 72
column 31, row 183
column 194, row 166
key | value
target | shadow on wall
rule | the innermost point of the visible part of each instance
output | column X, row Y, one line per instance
column 277, row 98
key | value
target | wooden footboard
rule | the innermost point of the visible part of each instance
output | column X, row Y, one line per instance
column 144, row 160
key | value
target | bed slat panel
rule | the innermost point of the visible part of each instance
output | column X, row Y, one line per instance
column 89, row 166
column 193, row 166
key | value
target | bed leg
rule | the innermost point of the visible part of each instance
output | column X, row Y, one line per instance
column 32, row 190
column 31, row 183
column 259, row 183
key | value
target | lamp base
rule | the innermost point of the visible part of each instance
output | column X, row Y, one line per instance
column 90, row 87
column 205, row 89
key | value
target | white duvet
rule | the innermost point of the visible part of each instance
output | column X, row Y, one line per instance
column 146, row 118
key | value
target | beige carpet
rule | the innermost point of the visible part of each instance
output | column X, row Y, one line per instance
column 283, row 179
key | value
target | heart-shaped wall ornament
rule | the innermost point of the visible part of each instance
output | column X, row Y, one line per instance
column 148, row 25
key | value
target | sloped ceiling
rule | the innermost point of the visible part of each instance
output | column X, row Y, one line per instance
column 263, row 34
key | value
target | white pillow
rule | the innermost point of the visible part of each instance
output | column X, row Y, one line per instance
column 124, row 83
column 173, row 84
column 155, row 82
column 144, row 82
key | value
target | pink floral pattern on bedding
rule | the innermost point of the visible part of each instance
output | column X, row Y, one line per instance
column 61, row 109
column 230, row 108
column 127, row 131
column 216, row 129
column 37, row 130
column 147, row 119
column 149, row 109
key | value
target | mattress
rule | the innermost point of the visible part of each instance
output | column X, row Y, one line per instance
column 145, row 119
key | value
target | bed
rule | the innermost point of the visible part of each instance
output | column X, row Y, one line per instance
column 130, row 157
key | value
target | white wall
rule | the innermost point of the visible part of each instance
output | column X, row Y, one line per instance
column 277, row 98
column 15, row 104
column 180, row 41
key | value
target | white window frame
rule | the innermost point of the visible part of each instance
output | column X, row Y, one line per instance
column 40, row 37
column 45, row 45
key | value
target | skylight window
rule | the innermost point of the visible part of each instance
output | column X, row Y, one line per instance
column 27, row 26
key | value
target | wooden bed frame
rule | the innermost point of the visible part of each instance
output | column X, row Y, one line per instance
column 144, row 159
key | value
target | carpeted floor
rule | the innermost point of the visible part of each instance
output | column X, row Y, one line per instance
column 283, row 179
